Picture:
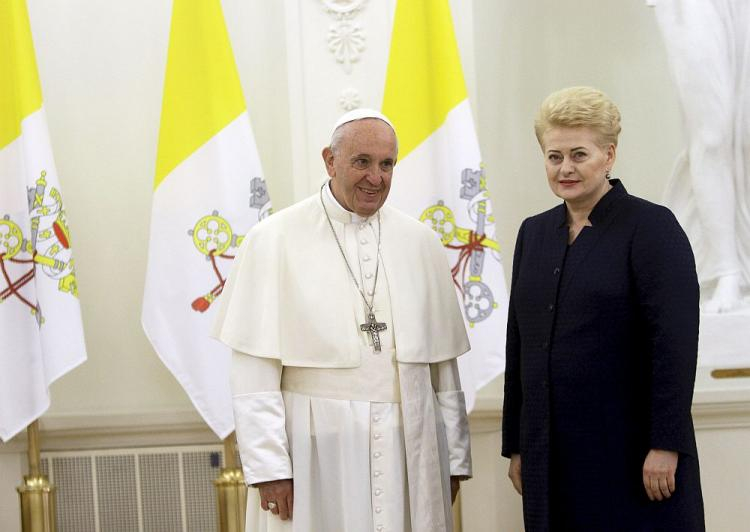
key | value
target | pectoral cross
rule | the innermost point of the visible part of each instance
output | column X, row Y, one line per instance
column 373, row 328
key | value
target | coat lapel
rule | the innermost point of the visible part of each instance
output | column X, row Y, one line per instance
column 601, row 218
column 554, row 247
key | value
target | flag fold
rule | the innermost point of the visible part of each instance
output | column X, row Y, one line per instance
column 440, row 179
column 40, row 317
column 208, row 192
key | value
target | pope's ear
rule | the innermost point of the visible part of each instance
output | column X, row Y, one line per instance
column 328, row 160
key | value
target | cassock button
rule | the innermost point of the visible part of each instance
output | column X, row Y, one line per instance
column 369, row 292
column 378, row 491
column 377, row 436
column 363, row 241
column 377, row 454
column 366, row 258
column 377, row 473
column 368, row 275
column 551, row 307
column 378, row 509
column 556, row 271
column 380, row 528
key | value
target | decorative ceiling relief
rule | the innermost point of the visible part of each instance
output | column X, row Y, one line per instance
column 346, row 39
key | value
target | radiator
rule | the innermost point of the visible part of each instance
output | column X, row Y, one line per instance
column 165, row 489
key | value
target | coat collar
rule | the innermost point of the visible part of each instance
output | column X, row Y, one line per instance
column 337, row 211
column 601, row 217
column 602, row 209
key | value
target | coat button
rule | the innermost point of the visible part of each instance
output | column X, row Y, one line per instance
column 551, row 307
column 556, row 271
column 545, row 345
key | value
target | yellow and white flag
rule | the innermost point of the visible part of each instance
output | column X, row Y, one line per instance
column 41, row 335
column 439, row 177
column 208, row 192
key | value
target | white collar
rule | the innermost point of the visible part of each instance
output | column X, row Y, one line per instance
column 337, row 211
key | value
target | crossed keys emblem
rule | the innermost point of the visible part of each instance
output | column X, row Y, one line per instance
column 213, row 236
column 53, row 239
column 479, row 301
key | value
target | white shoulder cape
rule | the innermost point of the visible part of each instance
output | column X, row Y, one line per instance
column 289, row 295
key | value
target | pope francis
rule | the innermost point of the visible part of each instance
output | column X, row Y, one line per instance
column 345, row 328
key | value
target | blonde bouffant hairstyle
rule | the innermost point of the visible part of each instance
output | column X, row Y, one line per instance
column 579, row 107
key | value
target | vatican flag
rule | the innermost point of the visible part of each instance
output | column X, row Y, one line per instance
column 208, row 192
column 439, row 177
column 41, row 334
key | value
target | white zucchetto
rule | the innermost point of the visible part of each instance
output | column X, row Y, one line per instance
column 359, row 114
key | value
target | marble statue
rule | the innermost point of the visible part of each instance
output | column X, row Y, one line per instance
column 708, row 46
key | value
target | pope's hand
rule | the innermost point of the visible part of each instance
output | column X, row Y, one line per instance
column 514, row 472
column 277, row 496
column 659, row 470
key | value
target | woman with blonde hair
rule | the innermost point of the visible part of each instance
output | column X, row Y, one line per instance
column 602, row 343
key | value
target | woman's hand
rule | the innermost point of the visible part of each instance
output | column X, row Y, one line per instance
column 277, row 496
column 659, row 470
column 514, row 472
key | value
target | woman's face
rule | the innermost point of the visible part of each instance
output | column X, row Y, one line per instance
column 577, row 164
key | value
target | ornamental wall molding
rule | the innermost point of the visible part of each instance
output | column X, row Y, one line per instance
column 349, row 99
column 712, row 410
column 63, row 432
column 346, row 39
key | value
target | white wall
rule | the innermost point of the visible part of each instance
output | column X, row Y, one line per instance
column 525, row 50
column 102, row 66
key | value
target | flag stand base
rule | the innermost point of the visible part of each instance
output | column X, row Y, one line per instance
column 37, row 494
column 231, row 492
column 231, row 495
column 37, row 504
column 457, row 517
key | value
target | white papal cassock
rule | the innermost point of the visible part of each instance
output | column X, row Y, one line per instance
column 370, row 438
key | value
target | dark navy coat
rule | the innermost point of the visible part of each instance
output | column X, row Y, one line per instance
column 601, row 355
